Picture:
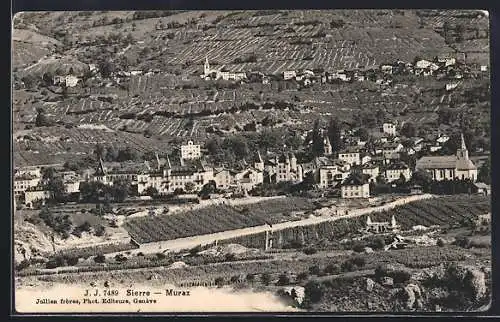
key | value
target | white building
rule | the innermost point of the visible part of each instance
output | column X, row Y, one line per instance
column 35, row 194
column 351, row 156
column 389, row 128
column 371, row 170
column 224, row 178
column 356, row 186
column 190, row 151
column 289, row 74
column 23, row 183
column 393, row 172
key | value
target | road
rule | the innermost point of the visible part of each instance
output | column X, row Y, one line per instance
column 190, row 242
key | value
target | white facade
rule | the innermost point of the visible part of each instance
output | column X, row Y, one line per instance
column 330, row 175
column 289, row 74
column 190, row 151
column 32, row 196
column 389, row 128
column 352, row 158
column 372, row 171
column 23, row 183
column 355, row 191
column 224, row 179
column 394, row 174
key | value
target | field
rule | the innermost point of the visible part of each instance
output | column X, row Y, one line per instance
column 443, row 211
column 213, row 219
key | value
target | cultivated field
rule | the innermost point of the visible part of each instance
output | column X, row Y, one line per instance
column 213, row 219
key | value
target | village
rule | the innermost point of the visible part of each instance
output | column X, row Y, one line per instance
column 332, row 160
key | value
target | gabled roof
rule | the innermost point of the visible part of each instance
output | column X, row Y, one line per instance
column 356, row 180
column 437, row 162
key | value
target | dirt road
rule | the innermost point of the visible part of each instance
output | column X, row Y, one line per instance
column 189, row 242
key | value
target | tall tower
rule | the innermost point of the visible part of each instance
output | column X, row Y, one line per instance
column 327, row 145
column 462, row 152
column 206, row 67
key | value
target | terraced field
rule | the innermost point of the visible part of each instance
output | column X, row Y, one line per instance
column 213, row 219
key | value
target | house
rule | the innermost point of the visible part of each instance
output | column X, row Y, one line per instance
column 449, row 167
column 447, row 61
column 483, row 188
column 68, row 80
column 289, row 74
column 442, row 139
column 451, row 86
column 389, row 128
column 36, row 194
column 484, row 68
column 330, row 173
column 190, row 151
column 351, row 155
column 355, row 186
column 224, row 178
column 390, row 148
column 24, row 182
column 365, row 158
column 386, row 69
column 372, row 170
column 249, row 178
column 393, row 172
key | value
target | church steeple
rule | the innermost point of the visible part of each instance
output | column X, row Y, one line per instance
column 206, row 67
column 462, row 152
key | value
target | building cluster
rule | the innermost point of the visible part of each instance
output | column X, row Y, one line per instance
column 351, row 170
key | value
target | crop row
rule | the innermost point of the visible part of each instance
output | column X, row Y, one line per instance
column 212, row 219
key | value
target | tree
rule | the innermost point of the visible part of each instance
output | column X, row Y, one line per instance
column 484, row 174
column 106, row 68
column 151, row 191
column 99, row 150
column 283, row 279
column 120, row 190
column 265, row 278
column 362, row 133
column 189, row 187
column 334, row 130
column 41, row 118
column 313, row 292
column 408, row 130
column 317, row 140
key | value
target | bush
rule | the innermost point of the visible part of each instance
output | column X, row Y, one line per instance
column 22, row 265
column 219, row 281
column 463, row 242
column 400, row 277
column 265, row 279
column 235, row 278
column 57, row 261
column 440, row 242
column 302, row 276
column 314, row 270
column 100, row 258
column 358, row 247
column 195, row 250
column 158, row 255
column 283, row 279
column 313, row 292
column 347, row 266
column 378, row 243
column 250, row 277
column 120, row 258
column 310, row 251
column 359, row 261
column 332, row 269
column 72, row 261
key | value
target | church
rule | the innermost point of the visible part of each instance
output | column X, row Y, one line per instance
column 457, row 166
column 209, row 73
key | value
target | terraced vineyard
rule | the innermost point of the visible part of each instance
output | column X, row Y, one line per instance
column 213, row 219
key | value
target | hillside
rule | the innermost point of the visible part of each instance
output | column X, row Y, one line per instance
column 165, row 99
